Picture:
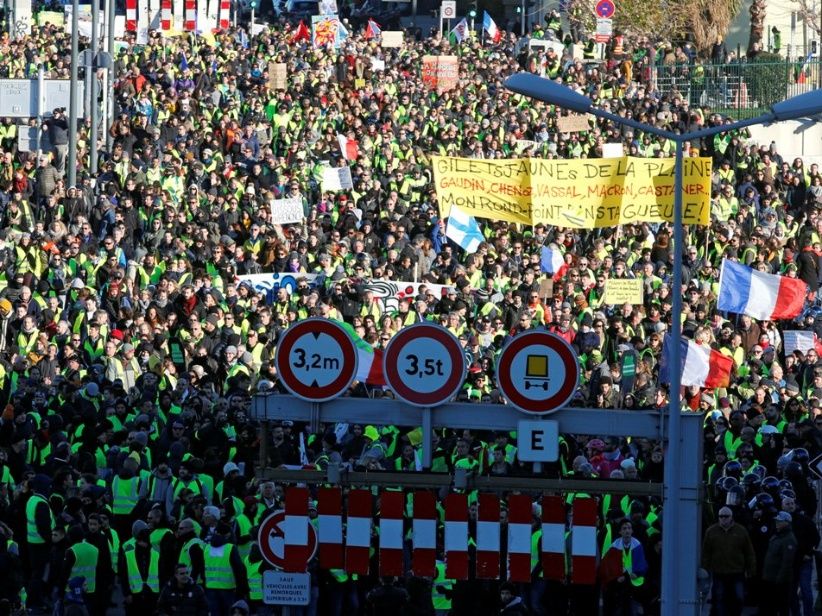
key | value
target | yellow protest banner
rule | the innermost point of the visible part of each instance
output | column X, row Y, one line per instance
column 54, row 18
column 623, row 291
column 581, row 194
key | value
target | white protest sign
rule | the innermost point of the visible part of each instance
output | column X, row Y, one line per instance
column 612, row 150
column 285, row 211
column 796, row 340
column 337, row 178
column 377, row 65
column 391, row 38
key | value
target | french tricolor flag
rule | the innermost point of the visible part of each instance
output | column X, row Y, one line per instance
column 701, row 366
column 759, row 295
column 490, row 26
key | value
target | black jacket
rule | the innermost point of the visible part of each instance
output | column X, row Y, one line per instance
column 182, row 601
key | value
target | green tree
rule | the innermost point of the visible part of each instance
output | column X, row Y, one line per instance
column 700, row 21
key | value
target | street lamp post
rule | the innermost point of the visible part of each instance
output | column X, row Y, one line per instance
column 675, row 594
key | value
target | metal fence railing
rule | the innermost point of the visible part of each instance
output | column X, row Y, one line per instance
column 740, row 90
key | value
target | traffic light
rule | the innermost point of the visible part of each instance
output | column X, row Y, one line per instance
column 473, row 12
column 253, row 4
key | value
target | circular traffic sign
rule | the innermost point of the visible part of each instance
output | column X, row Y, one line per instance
column 316, row 360
column 424, row 365
column 605, row 9
column 449, row 10
column 271, row 539
column 538, row 372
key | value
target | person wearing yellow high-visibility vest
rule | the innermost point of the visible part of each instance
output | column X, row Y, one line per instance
column 104, row 579
column 81, row 560
column 254, row 567
column 125, row 494
column 225, row 573
column 442, row 591
column 139, row 571
column 623, row 569
column 162, row 539
column 39, row 524
column 190, row 549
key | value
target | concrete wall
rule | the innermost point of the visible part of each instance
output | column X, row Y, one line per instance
column 794, row 138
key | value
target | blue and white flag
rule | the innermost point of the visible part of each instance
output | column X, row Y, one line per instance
column 464, row 230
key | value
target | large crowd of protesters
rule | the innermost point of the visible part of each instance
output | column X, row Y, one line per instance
column 130, row 348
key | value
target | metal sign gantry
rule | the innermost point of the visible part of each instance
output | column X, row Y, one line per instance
column 269, row 407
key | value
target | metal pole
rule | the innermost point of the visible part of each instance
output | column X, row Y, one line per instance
column 75, row 60
column 112, row 74
column 522, row 20
column 41, row 93
column 251, row 29
column 672, row 499
column 413, row 13
column 263, row 444
column 427, row 440
column 95, row 118
column 87, row 71
column 819, row 50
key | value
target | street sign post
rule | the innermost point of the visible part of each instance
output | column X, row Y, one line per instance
column 271, row 538
column 424, row 365
column 605, row 9
column 286, row 588
column 448, row 9
column 316, row 360
column 605, row 29
column 538, row 441
column 538, row 372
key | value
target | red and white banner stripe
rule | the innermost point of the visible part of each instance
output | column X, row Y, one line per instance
column 131, row 15
column 330, row 539
column 424, row 535
column 488, row 532
column 553, row 538
column 392, row 505
column 225, row 14
column 295, row 530
column 519, row 538
column 358, row 532
column 584, row 541
column 165, row 17
column 456, row 536
column 191, row 15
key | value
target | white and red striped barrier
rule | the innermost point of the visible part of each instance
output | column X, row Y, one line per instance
column 346, row 540
column 190, row 19
column 424, row 535
column 520, row 518
column 131, row 15
column 295, row 530
column 392, row 506
column 358, row 532
column 488, row 533
column 165, row 15
column 330, row 531
column 225, row 14
column 456, row 536
column 553, row 538
column 584, row 541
